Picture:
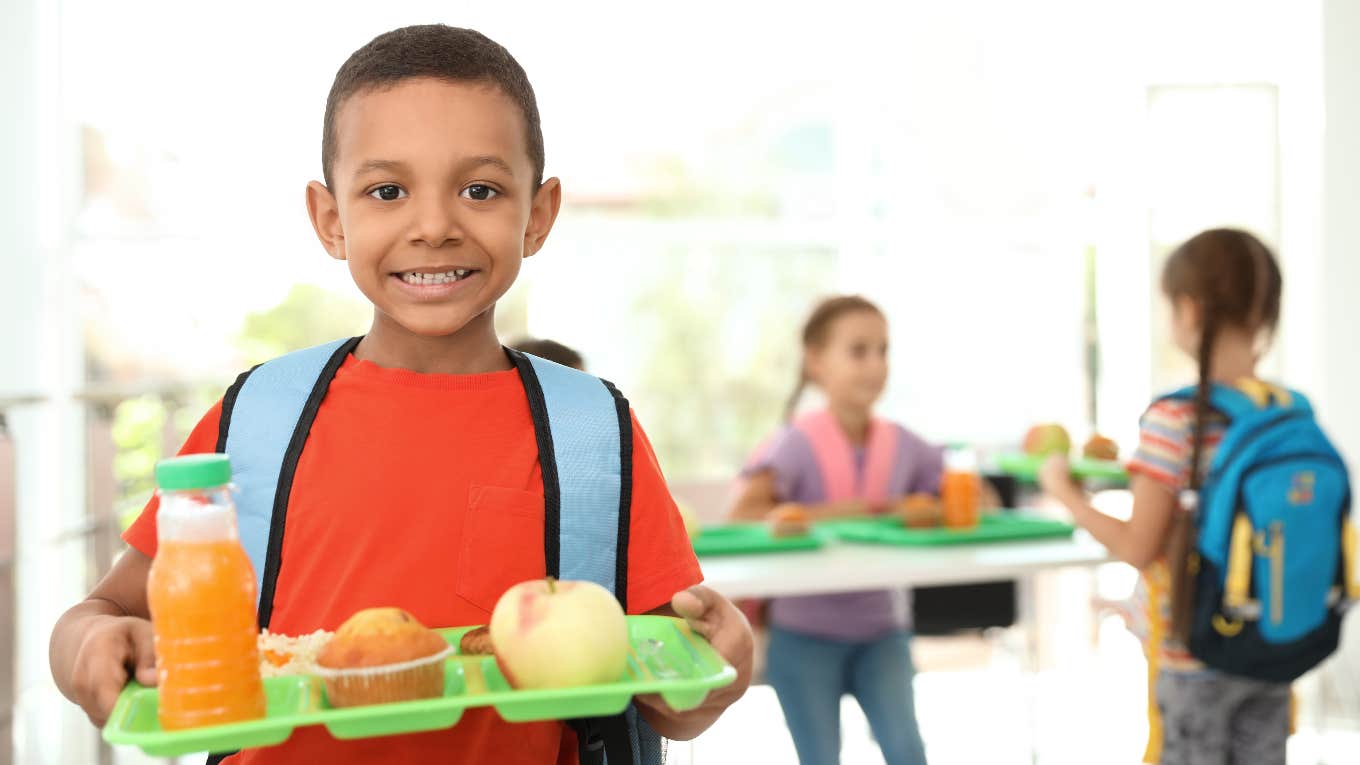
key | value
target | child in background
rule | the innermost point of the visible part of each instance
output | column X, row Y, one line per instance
column 417, row 481
column 550, row 350
column 1224, row 287
column 825, row 646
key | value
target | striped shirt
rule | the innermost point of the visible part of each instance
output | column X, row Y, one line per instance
column 1165, row 442
column 1165, row 447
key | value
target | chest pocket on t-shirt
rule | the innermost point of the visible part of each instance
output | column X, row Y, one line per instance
column 502, row 543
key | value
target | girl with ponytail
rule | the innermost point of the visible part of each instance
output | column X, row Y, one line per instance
column 841, row 460
column 1224, row 287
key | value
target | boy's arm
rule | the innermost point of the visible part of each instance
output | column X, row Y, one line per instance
column 106, row 639
column 662, row 569
column 714, row 617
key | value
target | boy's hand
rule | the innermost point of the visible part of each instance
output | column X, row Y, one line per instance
column 724, row 626
column 114, row 650
column 1055, row 478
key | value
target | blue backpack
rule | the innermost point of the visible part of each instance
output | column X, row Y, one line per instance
column 584, row 430
column 1273, row 558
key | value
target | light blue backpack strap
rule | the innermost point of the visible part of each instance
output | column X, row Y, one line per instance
column 647, row 746
column 586, row 422
column 263, row 429
column 585, row 444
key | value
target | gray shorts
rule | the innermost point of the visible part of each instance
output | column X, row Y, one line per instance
column 1210, row 718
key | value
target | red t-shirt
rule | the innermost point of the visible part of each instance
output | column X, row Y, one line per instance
column 424, row 492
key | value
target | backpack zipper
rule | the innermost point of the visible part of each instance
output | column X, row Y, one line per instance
column 1277, row 572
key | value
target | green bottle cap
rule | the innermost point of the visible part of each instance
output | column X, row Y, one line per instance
column 194, row 471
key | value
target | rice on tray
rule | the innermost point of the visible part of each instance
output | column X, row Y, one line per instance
column 282, row 655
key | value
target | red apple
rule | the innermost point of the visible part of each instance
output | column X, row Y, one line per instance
column 1049, row 438
column 551, row 634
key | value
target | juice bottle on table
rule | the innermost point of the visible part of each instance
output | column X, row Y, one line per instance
column 202, row 596
column 960, row 488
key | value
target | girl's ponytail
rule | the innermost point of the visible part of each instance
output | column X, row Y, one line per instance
column 1182, row 555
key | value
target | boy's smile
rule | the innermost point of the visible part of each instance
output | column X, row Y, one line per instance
column 433, row 206
column 433, row 283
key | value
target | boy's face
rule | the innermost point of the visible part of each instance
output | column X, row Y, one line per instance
column 433, row 205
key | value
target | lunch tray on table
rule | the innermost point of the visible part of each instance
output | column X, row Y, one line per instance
column 746, row 538
column 1025, row 467
column 665, row 658
column 1005, row 526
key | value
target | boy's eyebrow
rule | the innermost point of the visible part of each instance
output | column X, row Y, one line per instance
column 379, row 164
column 394, row 165
column 491, row 159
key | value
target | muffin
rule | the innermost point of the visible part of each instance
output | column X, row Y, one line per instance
column 1100, row 448
column 381, row 655
column 921, row 511
column 789, row 520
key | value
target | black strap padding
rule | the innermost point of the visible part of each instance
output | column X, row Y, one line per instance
column 228, row 405
column 598, row 738
column 547, row 461
column 625, row 416
column 274, row 552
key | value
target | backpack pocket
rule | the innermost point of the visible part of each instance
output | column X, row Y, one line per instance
column 1294, row 504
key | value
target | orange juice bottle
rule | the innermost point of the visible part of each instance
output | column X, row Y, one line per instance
column 202, row 596
column 960, row 489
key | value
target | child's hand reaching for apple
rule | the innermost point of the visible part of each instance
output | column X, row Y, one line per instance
column 1055, row 478
column 724, row 626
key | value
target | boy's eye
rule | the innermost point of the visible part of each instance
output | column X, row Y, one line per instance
column 479, row 192
column 388, row 192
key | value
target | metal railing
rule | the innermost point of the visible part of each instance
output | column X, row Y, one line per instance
column 98, row 531
column 8, row 501
column 8, row 595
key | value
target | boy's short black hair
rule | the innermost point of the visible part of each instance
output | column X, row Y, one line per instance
column 439, row 52
column 550, row 350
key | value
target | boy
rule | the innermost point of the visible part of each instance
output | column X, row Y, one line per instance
column 420, row 484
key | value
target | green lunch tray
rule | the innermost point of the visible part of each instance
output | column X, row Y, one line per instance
column 666, row 658
column 992, row 527
column 1026, row 468
column 745, row 538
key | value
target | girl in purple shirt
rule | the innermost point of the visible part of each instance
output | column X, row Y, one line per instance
column 842, row 462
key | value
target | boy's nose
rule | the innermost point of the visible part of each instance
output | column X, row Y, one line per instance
column 436, row 223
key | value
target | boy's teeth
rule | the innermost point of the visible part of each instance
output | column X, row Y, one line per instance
column 441, row 278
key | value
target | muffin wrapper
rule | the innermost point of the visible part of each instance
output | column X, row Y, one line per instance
column 404, row 681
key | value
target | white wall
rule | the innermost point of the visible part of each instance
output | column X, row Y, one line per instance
column 1338, row 280
column 1339, row 395
column 40, row 354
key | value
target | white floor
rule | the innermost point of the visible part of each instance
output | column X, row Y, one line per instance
column 1089, row 708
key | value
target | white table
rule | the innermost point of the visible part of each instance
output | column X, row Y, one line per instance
column 843, row 567
column 846, row 567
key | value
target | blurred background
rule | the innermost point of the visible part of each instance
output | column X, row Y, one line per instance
column 1004, row 179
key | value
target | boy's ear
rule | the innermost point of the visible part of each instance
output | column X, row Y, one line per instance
column 542, row 213
column 325, row 215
